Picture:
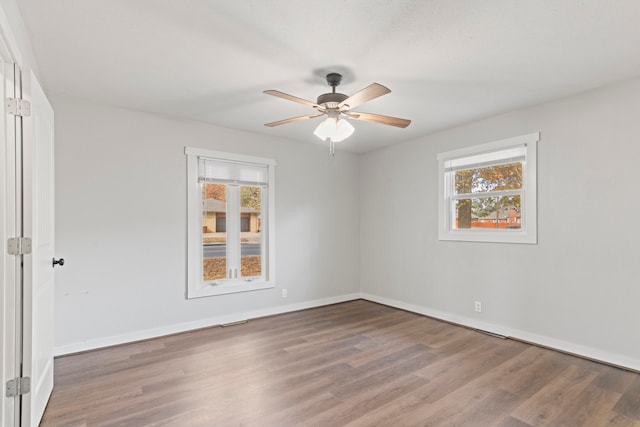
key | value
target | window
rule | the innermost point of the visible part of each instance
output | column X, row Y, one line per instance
column 230, row 223
column 488, row 192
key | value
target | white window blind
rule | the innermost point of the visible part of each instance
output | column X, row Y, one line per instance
column 229, row 172
column 485, row 160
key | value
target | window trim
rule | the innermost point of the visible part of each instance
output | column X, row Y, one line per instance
column 528, row 233
column 195, row 286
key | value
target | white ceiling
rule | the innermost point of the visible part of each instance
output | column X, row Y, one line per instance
column 446, row 61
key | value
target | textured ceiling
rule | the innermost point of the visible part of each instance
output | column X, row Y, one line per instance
column 446, row 61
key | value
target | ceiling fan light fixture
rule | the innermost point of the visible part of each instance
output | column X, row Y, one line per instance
column 335, row 129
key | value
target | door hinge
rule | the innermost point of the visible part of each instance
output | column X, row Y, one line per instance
column 18, row 107
column 19, row 246
column 18, row 386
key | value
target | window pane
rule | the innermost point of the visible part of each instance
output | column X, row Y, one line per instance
column 488, row 212
column 214, row 232
column 250, row 231
column 492, row 178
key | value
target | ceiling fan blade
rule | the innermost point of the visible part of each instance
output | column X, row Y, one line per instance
column 377, row 118
column 370, row 92
column 291, row 120
column 291, row 98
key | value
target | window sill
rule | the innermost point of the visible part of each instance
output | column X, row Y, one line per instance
column 207, row 290
column 489, row 236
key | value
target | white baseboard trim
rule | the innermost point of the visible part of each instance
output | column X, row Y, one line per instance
column 564, row 346
column 541, row 340
column 97, row 343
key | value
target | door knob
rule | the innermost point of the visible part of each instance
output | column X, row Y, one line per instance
column 60, row 262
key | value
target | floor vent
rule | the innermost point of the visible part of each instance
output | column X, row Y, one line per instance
column 491, row 334
column 239, row 322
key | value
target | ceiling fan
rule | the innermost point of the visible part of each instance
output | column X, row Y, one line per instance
column 336, row 105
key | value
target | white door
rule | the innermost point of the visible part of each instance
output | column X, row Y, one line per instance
column 38, row 282
column 9, row 264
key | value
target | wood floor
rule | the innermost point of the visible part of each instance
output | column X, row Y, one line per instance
column 355, row 364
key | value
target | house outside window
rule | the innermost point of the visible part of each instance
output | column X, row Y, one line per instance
column 231, row 217
column 487, row 193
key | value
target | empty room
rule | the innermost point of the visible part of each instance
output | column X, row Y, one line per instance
column 334, row 213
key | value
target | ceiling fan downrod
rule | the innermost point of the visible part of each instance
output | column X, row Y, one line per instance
column 333, row 80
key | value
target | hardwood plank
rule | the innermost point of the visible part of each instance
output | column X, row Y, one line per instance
column 468, row 408
column 301, row 411
column 526, row 374
column 592, row 406
column 614, row 379
column 618, row 420
column 459, row 368
column 629, row 403
column 509, row 421
column 460, row 391
column 357, row 405
column 552, row 399
column 396, row 369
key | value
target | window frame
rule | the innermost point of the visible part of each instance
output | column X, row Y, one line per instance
column 196, row 287
column 528, row 233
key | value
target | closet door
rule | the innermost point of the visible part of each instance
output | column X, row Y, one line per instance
column 38, row 216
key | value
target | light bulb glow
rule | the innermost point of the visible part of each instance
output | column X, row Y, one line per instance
column 334, row 128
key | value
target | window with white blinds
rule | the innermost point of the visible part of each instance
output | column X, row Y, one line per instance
column 492, row 158
column 231, row 172
column 231, row 223
column 487, row 193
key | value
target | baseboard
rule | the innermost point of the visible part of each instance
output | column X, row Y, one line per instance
column 596, row 354
column 541, row 340
column 97, row 343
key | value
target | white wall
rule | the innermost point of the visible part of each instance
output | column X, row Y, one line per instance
column 15, row 34
column 577, row 289
column 121, row 225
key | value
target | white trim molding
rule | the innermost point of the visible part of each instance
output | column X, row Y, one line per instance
column 209, row 322
column 592, row 353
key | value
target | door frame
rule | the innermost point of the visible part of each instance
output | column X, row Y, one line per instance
column 10, row 226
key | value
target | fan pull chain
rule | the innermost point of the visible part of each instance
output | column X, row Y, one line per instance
column 332, row 147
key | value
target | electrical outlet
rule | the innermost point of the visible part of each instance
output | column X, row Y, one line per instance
column 284, row 293
column 478, row 306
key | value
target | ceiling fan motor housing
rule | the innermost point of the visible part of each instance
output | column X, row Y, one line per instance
column 331, row 100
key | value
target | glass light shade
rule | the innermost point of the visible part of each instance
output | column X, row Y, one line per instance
column 335, row 129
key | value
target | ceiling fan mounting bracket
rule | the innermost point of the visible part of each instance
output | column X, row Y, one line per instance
column 333, row 80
